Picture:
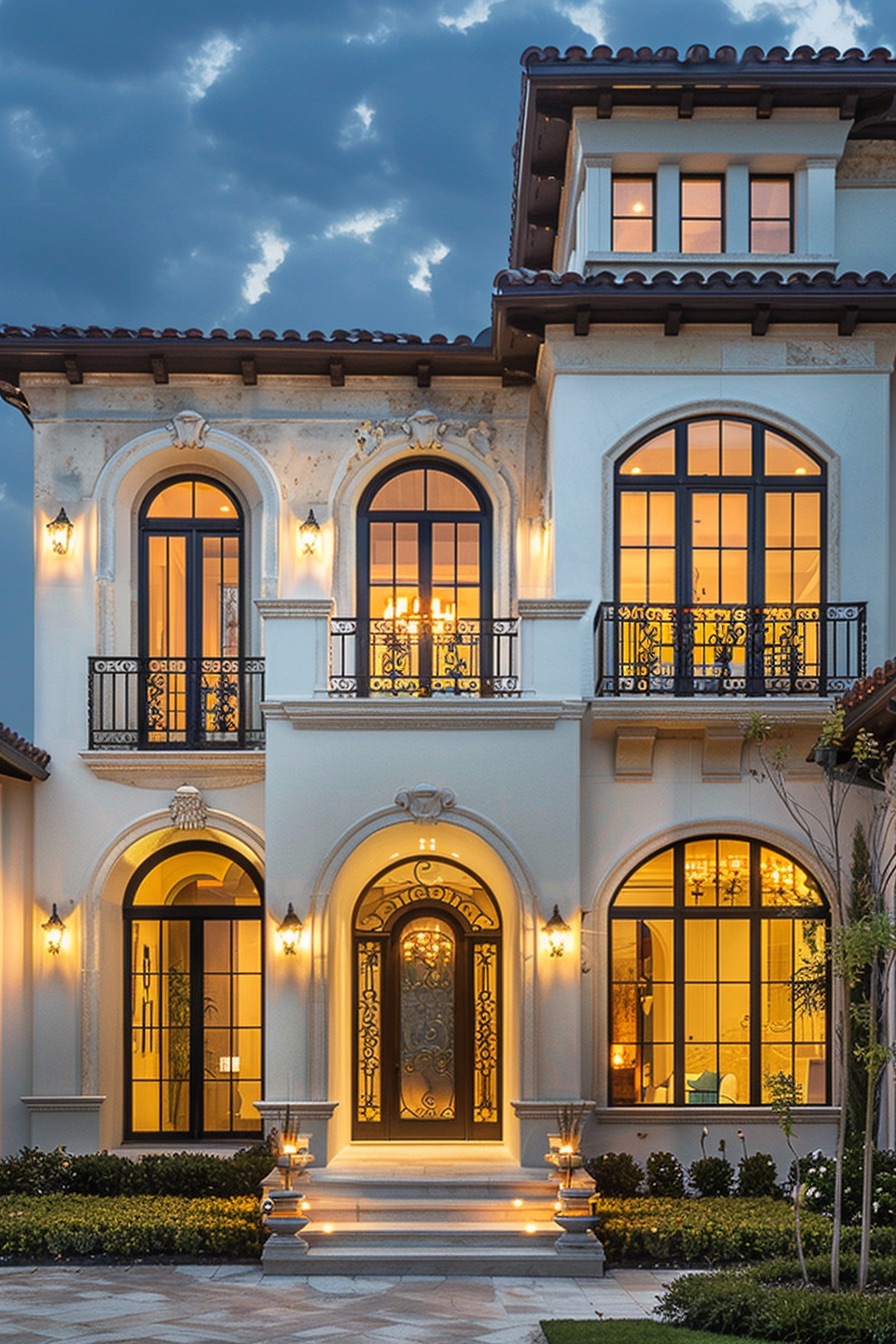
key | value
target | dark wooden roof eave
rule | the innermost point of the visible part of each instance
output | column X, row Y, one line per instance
column 19, row 759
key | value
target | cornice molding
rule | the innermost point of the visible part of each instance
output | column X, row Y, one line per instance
column 413, row 715
column 169, row 769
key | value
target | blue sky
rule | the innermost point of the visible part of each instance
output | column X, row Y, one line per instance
column 200, row 163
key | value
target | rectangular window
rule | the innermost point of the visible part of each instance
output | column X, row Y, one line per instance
column 771, row 214
column 701, row 214
column 633, row 214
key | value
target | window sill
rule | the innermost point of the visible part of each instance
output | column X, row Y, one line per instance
column 169, row 769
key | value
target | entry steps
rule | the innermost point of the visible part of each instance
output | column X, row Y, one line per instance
column 434, row 1218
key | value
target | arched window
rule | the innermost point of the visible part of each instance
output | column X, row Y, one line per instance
column 720, row 563
column 195, row 690
column 718, row 977
column 193, row 975
column 424, row 583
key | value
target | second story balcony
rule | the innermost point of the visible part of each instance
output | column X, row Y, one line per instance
column 423, row 656
column 800, row 649
column 180, row 704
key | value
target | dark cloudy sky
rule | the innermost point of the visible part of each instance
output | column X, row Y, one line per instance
column 286, row 164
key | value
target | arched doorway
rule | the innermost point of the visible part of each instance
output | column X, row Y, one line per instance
column 193, row 994
column 427, row 1019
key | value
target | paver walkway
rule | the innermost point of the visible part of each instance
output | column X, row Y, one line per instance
column 235, row 1304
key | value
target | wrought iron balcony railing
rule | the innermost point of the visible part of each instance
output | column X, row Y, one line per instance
column 423, row 657
column 198, row 704
column 800, row 649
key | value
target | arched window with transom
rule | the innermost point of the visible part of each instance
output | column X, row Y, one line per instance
column 721, row 567
column 718, row 976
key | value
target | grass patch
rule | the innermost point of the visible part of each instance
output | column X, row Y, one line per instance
column 630, row 1332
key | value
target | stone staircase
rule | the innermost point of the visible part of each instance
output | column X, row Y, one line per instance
column 423, row 1211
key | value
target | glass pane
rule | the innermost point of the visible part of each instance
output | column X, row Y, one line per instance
column 633, row 576
column 446, row 491
column 406, row 553
column 197, row 877
column 632, row 518
column 700, row 950
column 701, row 235
column 175, row 501
column 167, row 603
column 427, row 879
column 737, row 448
column 734, row 949
column 443, row 553
column 701, row 197
column 770, row 198
column 769, row 235
column 783, row 458
column 734, row 520
column 650, row 884
column 633, row 235
column 426, row 1017
column 778, row 520
column 655, row 458
column 662, row 519
column 700, row 1020
column 210, row 502
column 401, row 493
column 369, row 962
column 807, row 519
column 661, row 587
column 467, row 552
column 704, row 437
column 485, row 1030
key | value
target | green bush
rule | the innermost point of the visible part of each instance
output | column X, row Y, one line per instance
column 665, row 1176
column 615, row 1175
column 193, row 1175
column 757, row 1176
column 711, row 1176
column 54, row 1226
column 817, row 1172
column 724, row 1301
column 706, row 1231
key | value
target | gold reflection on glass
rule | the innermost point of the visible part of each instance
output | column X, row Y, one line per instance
column 701, row 214
column 426, row 1014
column 632, row 214
column 771, row 214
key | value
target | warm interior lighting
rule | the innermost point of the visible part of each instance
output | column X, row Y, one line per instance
column 309, row 532
column 54, row 929
column 531, row 1227
column 409, row 615
column 60, row 532
column 638, row 208
column 557, row 934
column 517, row 1203
column 289, row 931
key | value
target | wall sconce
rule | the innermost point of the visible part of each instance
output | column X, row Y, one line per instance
column 289, row 932
column 54, row 929
column 557, row 934
column 60, row 532
column 309, row 534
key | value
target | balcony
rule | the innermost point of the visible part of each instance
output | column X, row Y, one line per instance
column 182, row 704
column 423, row 657
column 812, row 649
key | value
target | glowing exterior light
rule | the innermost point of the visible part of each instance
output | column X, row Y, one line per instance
column 54, row 929
column 290, row 931
column 557, row 934
column 60, row 532
column 309, row 532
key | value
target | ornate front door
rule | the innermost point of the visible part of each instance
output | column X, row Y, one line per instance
column 427, row 1019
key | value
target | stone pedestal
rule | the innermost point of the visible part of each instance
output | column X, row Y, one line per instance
column 579, row 1223
column 283, row 1219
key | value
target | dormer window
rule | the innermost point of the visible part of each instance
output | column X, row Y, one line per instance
column 702, row 214
column 771, row 214
column 633, row 214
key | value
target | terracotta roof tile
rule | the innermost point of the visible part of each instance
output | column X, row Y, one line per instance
column 32, row 761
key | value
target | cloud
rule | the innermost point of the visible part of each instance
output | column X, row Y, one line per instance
column 360, row 127
column 375, row 37
column 364, row 224
column 585, row 14
column 208, row 65
column 814, row 23
column 273, row 251
column 423, row 262
column 27, row 134
column 477, row 11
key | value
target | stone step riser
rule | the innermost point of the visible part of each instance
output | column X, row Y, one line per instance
column 331, row 1211
column 526, row 1262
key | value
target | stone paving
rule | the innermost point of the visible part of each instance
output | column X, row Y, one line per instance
column 236, row 1304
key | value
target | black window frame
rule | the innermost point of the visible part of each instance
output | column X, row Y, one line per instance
column 633, row 177
column 721, row 217
column 753, row 219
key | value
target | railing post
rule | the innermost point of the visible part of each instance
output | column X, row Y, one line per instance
column 297, row 647
column 555, row 648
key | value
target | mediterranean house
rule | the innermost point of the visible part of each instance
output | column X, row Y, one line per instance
column 396, row 688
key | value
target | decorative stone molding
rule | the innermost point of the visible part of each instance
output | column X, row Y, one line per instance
column 331, row 715
column 63, row 1105
column 424, row 431
column 634, row 752
column 552, row 608
column 188, row 809
column 722, row 755
column 166, row 770
column 867, row 162
column 425, row 802
column 295, row 608
column 188, row 429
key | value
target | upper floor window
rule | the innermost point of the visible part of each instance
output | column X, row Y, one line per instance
column 718, row 977
column 702, row 214
column 633, row 214
column 771, row 214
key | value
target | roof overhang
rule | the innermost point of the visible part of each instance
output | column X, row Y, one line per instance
column 19, row 759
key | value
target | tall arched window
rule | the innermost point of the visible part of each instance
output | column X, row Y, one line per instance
column 718, row 977
column 720, row 564
column 191, row 615
column 424, row 583
column 193, row 977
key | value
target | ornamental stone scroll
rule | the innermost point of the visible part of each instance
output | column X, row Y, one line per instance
column 188, row 429
column 188, row 809
column 424, row 432
column 424, row 802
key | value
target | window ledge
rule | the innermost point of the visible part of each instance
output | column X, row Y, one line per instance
column 687, row 1115
column 169, row 769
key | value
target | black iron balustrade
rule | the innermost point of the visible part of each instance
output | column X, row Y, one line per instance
column 423, row 657
column 176, row 703
column 781, row 649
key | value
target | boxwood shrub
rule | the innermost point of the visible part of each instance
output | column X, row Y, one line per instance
column 192, row 1175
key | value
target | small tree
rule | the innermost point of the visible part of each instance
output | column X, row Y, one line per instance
column 785, row 1094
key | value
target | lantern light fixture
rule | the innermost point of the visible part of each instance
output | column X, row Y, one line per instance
column 309, row 533
column 289, row 932
column 60, row 532
column 54, row 930
column 557, row 934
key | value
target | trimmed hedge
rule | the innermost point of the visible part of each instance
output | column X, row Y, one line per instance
column 708, row 1231
column 191, row 1175
column 38, row 1227
column 724, row 1301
